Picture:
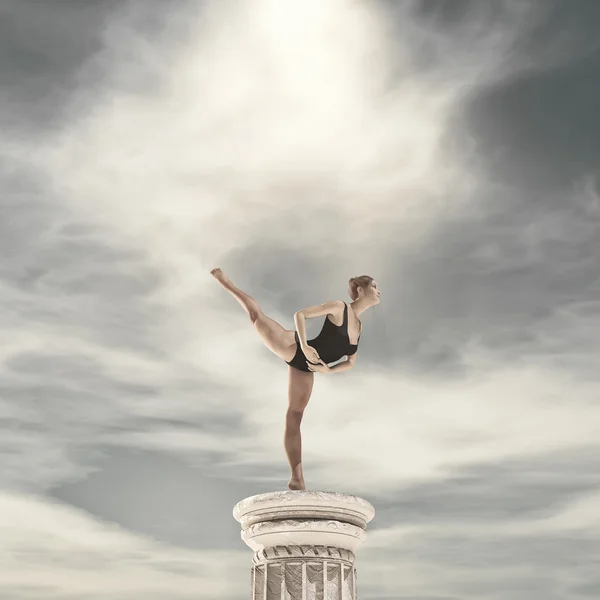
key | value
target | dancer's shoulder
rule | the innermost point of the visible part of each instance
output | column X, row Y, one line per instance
column 335, row 308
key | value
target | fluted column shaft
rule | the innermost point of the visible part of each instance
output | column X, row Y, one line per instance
column 303, row 573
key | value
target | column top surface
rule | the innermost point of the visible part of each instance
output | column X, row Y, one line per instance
column 303, row 499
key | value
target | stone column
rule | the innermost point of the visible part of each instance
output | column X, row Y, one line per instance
column 304, row 543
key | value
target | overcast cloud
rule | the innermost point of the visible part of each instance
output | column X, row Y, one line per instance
column 449, row 149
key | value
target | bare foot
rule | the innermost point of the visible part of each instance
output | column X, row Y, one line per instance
column 221, row 277
column 296, row 484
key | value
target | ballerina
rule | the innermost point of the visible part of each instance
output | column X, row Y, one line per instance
column 307, row 357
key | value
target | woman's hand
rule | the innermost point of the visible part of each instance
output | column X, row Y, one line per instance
column 320, row 368
column 311, row 354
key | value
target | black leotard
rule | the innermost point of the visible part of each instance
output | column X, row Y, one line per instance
column 332, row 343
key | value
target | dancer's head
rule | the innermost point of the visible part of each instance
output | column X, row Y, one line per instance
column 364, row 287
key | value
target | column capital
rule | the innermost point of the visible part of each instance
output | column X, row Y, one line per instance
column 303, row 517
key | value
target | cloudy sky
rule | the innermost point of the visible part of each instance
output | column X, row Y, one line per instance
column 448, row 148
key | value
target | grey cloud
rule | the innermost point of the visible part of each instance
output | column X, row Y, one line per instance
column 222, row 424
column 552, row 18
column 560, row 33
column 537, row 129
column 43, row 45
column 521, row 488
column 58, row 407
column 403, row 597
column 161, row 497
column 50, row 51
column 551, row 33
column 499, row 279
column 541, row 130
column 527, row 585
column 501, row 564
column 532, row 112
column 588, row 590
column 468, row 38
column 59, row 271
column 452, row 20
column 32, row 592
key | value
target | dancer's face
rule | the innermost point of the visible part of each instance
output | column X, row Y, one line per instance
column 375, row 291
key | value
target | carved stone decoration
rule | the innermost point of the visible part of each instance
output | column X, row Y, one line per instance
column 304, row 543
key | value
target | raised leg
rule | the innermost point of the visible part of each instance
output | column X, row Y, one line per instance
column 249, row 304
column 278, row 339
column 299, row 392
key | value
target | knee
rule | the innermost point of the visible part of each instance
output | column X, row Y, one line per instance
column 294, row 416
column 254, row 315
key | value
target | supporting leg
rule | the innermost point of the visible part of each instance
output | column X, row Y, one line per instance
column 299, row 392
column 293, row 447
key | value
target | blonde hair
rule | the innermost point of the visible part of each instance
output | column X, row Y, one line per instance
column 364, row 281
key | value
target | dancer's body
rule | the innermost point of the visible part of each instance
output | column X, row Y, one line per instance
column 339, row 337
